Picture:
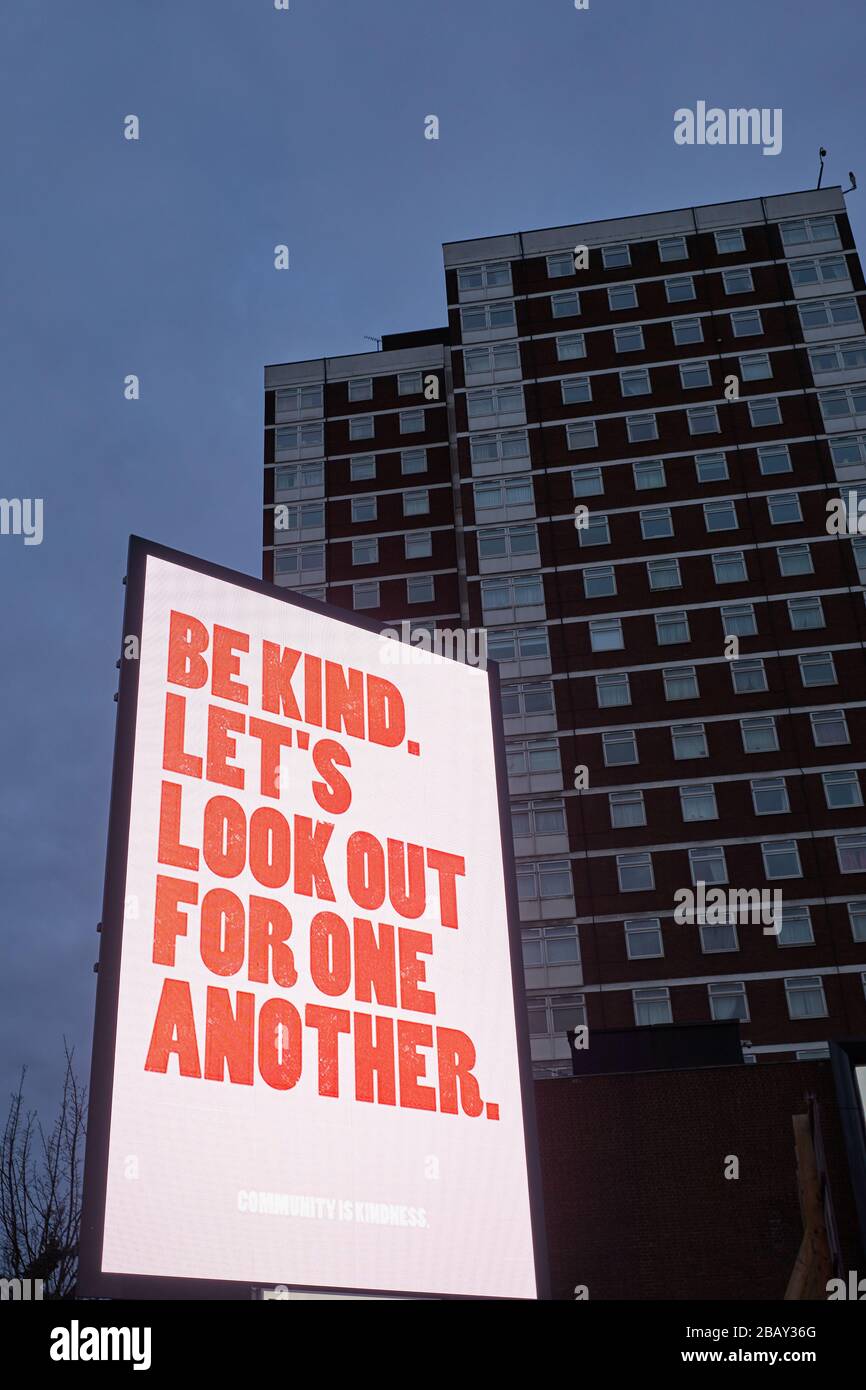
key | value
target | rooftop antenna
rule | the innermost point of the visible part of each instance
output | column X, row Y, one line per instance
column 377, row 341
column 853, row 184
column 822, row 153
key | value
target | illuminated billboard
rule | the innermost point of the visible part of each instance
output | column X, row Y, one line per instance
column 310, row 1063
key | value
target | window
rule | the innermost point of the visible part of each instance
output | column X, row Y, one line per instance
column 366, row 595
column 526, row 592
column 560, row 265
column 551, row 879
column 537, row 755
column 527, row 699
column 707, row 864
column 829, row 728
column 495, row 448
column 781, row 859
column 857, row 918
column 718, row 936
column 504, row 542
column 794, row 559
column 296, row 400
column 643, row 937
column 808, row 229
column 720, row 516
column 842, row 789
column 641, row 427
column 827, row 313
column 626, row 808
column 570, row 345
column 361, row 427
column 746, row 323
column 365, row 552
column 796, row 927
column 361, row 388
column 481, row 318
column 679, row 288
column 363, row 508
column 416, row 503
column 556, row 1013
column 784, row 507
column 418, row 545
column 698, row 802
column 748, row 676
column 656, row 524
column 612, row 690
column 694, row 374
column 596, row 531
column 729, row 567
column 485, row 361
column 622, row 297
column 848, row 449
column 582, row 435
column 858, row 546
column 703, row 419
column 770, row 796
column 553, row 946
column 605, row 635
column 634, row 872
column 587, row 482
column 413, row 461
column 851, row 853
column 518, row 644
column 491, row 275
column 711, row 468
column 845, row 404
column 308, row 516
column 599, row 582
column 805, row 996
column 491, row 400
column 409, row 384
column 755, row 367
column 613, row 257
column 738, row 620
column 576, row 390
column 672, row 248
column 817, row 668
column 729, row 241
column 294, row 438
column 300, row 560
column 838, row 357
column 680, row 683
column 819, row 270
column 652, row 1006
column 507, row 492
column 689, row 741
column 765, row 411
column 538, row 818
column 635, row 382
column 805, row 613
column 420, row 588
column 737, row 281
column 671, row 628
column 619, row 748
column 412, row 421
column 362, row 468
column 687, row 331
column 649, row 474
column 664, row 574
column 565, row 305
column 759, row 735
column 774, row 458
column 299, row 475
column 728, row 1000
column 628, row 339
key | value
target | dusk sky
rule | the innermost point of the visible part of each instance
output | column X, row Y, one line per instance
column 156, row 257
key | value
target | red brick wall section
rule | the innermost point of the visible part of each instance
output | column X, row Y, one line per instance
column 636, row 1202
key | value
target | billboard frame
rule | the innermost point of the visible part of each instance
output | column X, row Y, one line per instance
column 92, row 1280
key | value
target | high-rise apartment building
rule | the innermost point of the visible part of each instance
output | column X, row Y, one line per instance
column 617, row 459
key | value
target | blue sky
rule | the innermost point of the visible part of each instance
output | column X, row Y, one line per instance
column 155, row 257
